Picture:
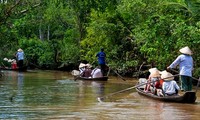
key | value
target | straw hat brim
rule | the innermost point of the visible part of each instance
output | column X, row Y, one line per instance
column 153, row 69
column 19, row 50
column 89, row 65
column 155, row 74
column 167, row 76
column 82, row 65
column 186, row 50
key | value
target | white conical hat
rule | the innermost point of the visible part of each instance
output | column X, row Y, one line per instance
column 153, row 69
column 167, row 76
column 155, row 73
column 19, row 50
column 9, row 60
column 5, row 59
column 82, row 65
column 89, row 65
column 186, row 50
column 161, row 72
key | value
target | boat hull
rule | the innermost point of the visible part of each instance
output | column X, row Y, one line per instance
column 20, row 70
column 105, row 78
column 187, row 97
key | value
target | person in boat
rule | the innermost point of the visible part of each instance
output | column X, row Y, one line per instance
column 102, row 61
column 14, row 64
column 96, row 73
column 158, row 86
column 82, row 67
column 20, row 58
column 169, row 87
column 185, row 63
column 153, row 78
column 87, row 72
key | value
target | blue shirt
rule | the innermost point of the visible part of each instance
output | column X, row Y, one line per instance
column 170, row 87
column 185, row 63
column 20, row 55
column 101, row 57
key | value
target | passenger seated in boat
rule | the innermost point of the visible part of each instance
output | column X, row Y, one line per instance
column 82, row 67
column 169, row 87
column 158, row 87
column 96, row 73
column 153, row 78
column 87, row 72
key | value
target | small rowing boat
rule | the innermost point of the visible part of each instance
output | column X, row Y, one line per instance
column 24, row 69
column 187, row 97
column 104, row 78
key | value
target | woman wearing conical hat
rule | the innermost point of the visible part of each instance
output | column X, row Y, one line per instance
column 169, row 87
column 185, row 63
column 20, row 58
column 153, row 78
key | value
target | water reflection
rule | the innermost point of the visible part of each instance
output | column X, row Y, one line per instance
column 54, row 95
column 17, row 94
column 98, row 88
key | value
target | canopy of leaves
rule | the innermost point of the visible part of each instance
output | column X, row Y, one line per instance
column 132, row 32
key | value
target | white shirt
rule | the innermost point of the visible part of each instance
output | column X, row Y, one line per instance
column 96, row 73
column 169, row 87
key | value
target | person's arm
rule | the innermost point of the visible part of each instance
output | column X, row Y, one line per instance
column 16, row 55
column 175, row 62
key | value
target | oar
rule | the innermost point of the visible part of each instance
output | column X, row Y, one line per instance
column 197, row 84
column 115, row 73
column 101, row 98
column 118, row 75
column 192, row 78
column 178, row 72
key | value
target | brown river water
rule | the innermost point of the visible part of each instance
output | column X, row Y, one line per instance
column 56, row 95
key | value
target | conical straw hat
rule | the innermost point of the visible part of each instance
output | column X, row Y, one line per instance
column 167, row 76
column 82, row 65
column 153, row 69
column 155, row 74
column 186, row 50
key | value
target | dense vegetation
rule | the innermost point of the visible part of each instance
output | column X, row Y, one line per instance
column 61, row 33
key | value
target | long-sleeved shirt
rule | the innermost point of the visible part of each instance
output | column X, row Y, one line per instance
column 170, row 87
column 20, row 55
column 185, row 63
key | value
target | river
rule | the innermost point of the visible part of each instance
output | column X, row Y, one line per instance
column 38, row 94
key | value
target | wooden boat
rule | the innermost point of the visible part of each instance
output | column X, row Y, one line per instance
column 187, row 97
column 104, row 78
column 10, row 69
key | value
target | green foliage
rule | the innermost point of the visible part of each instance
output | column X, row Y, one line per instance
column 194, row 7
column 55, row 32
column 36, row 51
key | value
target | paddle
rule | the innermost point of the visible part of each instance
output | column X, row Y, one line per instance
column 119, row 75
column 192, row 78
column 197, row 85
column 178, row 72
column 101, row 98
column 115, row 72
